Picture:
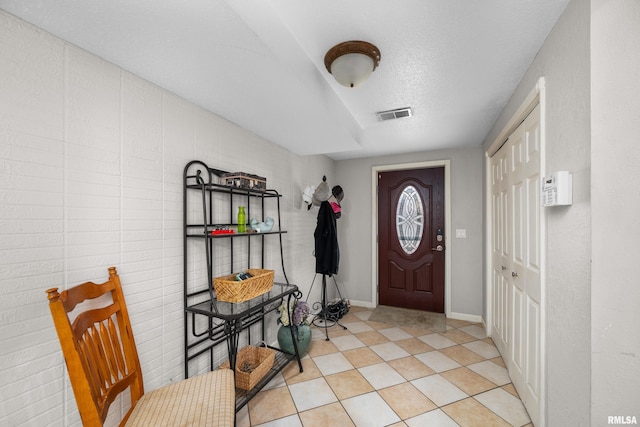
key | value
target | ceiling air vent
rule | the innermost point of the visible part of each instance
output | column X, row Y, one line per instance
column 394, row 114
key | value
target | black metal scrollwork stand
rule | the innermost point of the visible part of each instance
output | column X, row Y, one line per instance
column 325, row 318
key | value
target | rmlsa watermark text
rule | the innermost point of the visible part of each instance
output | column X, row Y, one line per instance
column 622, row 419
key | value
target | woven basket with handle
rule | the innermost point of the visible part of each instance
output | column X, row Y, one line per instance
column 229, row 289
column 252, row 364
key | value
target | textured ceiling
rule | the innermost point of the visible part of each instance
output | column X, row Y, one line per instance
column 260, row 64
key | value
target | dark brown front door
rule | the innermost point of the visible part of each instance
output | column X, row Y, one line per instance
column 411, row 239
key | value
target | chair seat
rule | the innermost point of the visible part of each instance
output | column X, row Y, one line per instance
column 204, row 400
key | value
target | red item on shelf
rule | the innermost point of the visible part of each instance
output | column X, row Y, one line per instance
column 222, row 231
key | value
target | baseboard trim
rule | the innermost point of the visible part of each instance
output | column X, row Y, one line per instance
column 367, row 304
column 467, row 317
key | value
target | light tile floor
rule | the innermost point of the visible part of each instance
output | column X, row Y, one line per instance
column 375, row 374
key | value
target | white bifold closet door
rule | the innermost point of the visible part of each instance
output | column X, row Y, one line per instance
column 516, row 279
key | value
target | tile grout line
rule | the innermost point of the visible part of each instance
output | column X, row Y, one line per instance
column 406, row 380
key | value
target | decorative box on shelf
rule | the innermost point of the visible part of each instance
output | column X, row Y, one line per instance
column 252, row 364
column 244, row 180
column 230, row 289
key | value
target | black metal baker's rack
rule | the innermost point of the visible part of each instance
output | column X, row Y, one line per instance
column 226, row 321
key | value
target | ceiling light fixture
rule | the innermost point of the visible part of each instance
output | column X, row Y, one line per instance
column 352, row 62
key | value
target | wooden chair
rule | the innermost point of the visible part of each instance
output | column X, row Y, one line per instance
column 102, row 360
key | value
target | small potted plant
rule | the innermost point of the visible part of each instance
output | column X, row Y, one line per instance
column 295, row 325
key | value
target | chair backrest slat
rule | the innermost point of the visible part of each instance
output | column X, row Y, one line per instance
column 98, row 346
column 111, row 347
column 86, row 291
column 118, row 353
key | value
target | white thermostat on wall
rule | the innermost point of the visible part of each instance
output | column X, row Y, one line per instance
column 557, row 189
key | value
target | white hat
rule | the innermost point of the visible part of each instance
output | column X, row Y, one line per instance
column 307, row 194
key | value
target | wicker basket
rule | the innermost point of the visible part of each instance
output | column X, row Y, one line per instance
column 229, row 289
column 252, row 364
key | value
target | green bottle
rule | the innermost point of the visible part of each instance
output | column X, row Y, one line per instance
column 242, row 220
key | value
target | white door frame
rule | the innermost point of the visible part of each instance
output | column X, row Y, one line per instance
column 534, row 98
column 447, row 223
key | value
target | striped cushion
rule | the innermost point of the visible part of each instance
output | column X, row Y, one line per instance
column 205, row 400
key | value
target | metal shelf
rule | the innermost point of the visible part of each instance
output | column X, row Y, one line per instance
column 209, row 323
column 234, row 235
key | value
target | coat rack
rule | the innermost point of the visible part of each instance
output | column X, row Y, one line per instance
column 327, row 252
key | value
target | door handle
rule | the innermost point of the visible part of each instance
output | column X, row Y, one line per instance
column 514, row 274
column 503, row 267
column 438, row 248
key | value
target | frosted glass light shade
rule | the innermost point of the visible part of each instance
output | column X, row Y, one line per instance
column 352, row 69
column 352, row 62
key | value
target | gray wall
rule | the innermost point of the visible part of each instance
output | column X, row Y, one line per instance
column 466, row 212
column 590, row 346
column 564, row 62
column 615, row 199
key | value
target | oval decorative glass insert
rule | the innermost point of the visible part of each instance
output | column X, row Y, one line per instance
column 409, row 219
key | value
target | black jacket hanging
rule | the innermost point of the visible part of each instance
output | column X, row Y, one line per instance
column 326, row 241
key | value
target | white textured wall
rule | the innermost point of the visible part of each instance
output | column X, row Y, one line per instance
column 615, row 195
column 91, row 161
column 590, row 62
column 564, row 61
column 466, row 212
